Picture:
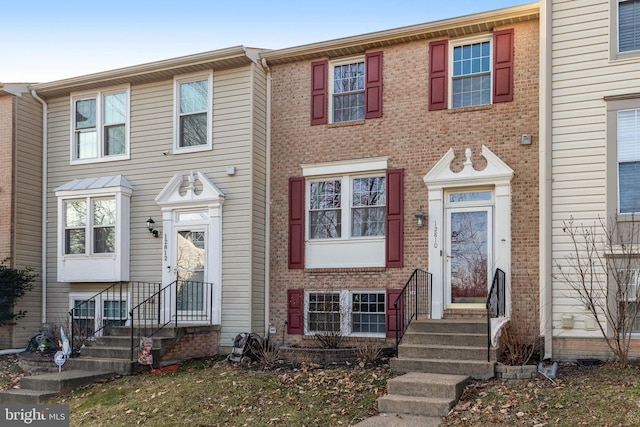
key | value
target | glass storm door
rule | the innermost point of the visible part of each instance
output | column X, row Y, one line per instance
column 191, row 273
column 468, row 255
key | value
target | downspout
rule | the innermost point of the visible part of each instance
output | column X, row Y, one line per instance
column 43, row 276
column 267, row 237
column 545, row 181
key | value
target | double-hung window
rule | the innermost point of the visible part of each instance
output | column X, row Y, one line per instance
column 193, row 97
column 360, row 199
column 345, row 312
column 628, row 25
column 100, row 123
column 471, row 77
column 628, row 145
column 347, row 95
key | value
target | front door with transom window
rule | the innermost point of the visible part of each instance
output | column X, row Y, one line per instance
column 468, row 248
column 469, row 231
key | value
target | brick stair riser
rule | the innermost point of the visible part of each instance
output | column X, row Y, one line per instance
column 469, row 340
column 448, row 327
column 444, row 353
column 476, row 370
column 405, row 405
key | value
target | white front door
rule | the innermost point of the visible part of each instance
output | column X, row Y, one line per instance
column 468, row 256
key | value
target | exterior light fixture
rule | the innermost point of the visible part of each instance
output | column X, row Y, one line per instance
column 150, row 223
column 419, row 217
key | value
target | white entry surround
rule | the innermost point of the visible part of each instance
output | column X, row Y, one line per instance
column 496, row 175
column 193, row 201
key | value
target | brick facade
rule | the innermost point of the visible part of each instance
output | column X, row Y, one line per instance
column 414, row 139
column 7, row 154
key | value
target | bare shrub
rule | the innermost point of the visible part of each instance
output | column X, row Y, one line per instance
column 368, row 352
column 268, row 355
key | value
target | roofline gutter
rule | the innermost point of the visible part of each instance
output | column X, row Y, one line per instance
column 43, row 268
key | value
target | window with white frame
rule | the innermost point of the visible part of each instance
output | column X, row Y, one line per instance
column 193, row 97
column 471, row 76
column 360, row 199
column 91, row 314
column 628, row 25
column 347, row 84
column 628, row 145
column 89, row 226
column 627, row 284
column 347, row 312
column 93, row 229
column 100, row 125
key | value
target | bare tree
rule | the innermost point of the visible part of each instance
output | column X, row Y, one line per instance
column 603, row 270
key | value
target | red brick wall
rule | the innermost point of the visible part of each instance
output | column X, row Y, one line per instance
column 7, row 118
column 414, row 139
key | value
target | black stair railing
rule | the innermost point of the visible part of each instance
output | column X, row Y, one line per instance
column 414, row 300
column 180, row 302
column 495, row 303
column 96, row 316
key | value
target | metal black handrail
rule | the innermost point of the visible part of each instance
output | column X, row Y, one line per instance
column 495, row 304
column 180, row 301
column 412, row 301
column 83, row 314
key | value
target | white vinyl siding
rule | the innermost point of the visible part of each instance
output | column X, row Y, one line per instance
column 582, row 76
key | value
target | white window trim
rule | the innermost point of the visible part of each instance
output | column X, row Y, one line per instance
column 614, row 34
column 102, row 267
column 464, row 42
column 346, row 310
column 332, row 65
column 99, row 97
column 99, row 309
column 186, row 78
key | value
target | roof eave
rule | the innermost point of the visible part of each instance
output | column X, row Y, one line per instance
column 452, row 27
column 149, row 72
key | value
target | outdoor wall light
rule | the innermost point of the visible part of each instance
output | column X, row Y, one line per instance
column 150, row 223
column 419, row 217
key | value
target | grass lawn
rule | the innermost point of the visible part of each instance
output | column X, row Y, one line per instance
column 217, row 393
column 212, row 392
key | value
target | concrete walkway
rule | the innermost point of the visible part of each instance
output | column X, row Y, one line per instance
column 399, row 420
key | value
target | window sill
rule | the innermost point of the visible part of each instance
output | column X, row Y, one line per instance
column 345, row 124
column 469, row 109
column 345, row 270
column 100, row 159
column 196, row 149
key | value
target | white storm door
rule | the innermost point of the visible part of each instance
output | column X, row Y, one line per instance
column 192, row 294
column 468, row 255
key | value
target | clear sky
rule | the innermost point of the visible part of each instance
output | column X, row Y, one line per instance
column 46, row 40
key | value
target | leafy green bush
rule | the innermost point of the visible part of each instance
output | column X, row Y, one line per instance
column 14, row 284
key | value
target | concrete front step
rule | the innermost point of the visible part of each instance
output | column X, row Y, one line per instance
column 415, row 405
column 122, row 366
column 471, row 340
column 473, row 368
column 450, row 326
column 448, row 352
column 421, row 384
column 24, row 396
column 39, row 388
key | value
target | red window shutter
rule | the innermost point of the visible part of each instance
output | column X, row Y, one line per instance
column 503, row 65
column 392, row 294
column 438, row 75
column 373, row 88
column 395, row 218
column 319, row 92
column 295, row 302
column 296, row 223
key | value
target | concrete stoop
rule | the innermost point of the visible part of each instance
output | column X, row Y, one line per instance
column 438, row 358
column 40, row 388
column 425, row 394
